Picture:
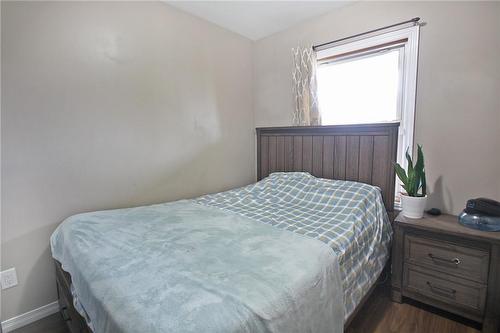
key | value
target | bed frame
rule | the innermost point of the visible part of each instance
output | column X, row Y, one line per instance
column 363, row 153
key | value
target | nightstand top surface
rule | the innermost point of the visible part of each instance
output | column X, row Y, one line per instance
column 447, row 224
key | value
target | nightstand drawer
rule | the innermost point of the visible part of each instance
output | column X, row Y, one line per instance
column 451, row 258
column 457, row 292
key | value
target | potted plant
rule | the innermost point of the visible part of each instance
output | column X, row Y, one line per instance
column 414, row 183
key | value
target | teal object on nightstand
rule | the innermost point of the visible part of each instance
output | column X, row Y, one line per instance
column 479, row 221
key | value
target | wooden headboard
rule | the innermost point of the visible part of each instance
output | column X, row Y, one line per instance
column 363, row 153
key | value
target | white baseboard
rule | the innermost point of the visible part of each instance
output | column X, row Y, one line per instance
column 29, row 317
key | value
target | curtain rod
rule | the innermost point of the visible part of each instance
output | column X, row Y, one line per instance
column 413, row 20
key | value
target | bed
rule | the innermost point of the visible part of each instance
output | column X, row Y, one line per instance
column 300, row 250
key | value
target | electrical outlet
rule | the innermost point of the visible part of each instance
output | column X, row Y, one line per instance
column 8, row 278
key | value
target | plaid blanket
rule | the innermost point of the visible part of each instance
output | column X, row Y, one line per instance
column 348, row 216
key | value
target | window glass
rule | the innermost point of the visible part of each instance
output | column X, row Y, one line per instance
column 360, row 90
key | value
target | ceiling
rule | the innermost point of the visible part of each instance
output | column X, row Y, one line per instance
column 256, row 19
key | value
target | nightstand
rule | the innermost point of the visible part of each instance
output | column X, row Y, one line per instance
column 439, row 262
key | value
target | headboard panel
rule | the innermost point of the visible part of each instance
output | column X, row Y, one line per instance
column 363, row 153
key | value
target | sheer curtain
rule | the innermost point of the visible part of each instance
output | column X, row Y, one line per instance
column 306, row 111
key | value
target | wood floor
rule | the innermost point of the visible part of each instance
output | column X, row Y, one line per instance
column 50, row 324
column 379, row 315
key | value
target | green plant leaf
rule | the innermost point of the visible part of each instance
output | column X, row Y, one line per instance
column 408, row 158
column 419, row 165
column 410, row 188
column 424, row 184
column 401, row 173
column 416, row 183
column 419, row 170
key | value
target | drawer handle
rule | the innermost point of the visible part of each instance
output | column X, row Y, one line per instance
column 454, row 261
column 441, row 289
column 64, row 314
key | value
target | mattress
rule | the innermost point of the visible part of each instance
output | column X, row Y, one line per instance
column 101, row 249
column 350, row 217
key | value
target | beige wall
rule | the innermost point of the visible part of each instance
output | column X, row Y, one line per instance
column 112, row 105
column 458, row 103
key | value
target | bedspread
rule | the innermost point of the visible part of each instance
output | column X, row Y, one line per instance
column 187, row 267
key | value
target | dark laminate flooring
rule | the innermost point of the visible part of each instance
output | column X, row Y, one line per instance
column 50, row 324
column 379, row 315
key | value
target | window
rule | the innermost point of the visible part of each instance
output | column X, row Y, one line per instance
column 375, row 78
column 371, row 80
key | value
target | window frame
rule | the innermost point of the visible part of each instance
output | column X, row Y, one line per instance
column 408, row 61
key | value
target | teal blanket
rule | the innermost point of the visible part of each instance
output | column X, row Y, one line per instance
column 184, row 267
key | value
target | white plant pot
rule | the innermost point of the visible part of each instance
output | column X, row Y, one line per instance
column 413, row 207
